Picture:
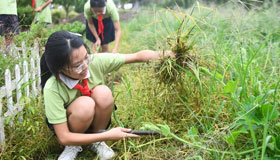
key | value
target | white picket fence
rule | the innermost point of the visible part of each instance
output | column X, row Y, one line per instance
column 26, row 75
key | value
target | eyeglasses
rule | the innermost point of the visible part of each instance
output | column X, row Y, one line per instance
column 79, row 69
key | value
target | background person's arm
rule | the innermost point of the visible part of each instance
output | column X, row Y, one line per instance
column 94, row 32
column 39, row 9
column 118, row 36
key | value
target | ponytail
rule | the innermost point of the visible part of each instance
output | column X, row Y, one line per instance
column 45, row 72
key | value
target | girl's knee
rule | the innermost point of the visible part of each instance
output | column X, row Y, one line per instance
column 82, row 108
column 103, row 97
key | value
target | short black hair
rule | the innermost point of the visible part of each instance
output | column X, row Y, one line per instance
column 97, row 3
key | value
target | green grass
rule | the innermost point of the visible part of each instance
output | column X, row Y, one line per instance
column 226, row 109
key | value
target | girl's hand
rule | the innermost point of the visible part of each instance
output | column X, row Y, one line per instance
column 115, row 50
column 97, row 43
column 39, row 9
column 120, row 133
column 96, row 46
column 168, row 53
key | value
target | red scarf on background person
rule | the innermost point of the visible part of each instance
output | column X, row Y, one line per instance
column 100, row 26
column 84, row 89
column 33, row 5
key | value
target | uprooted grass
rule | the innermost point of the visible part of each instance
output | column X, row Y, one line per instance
column 169, row 70
column 182, row 43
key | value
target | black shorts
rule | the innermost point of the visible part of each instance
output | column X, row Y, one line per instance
column 8, row 25
column 109, row 31
column 89, row 130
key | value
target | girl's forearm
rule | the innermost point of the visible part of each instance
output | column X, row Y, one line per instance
column 145, row 56
column 118, row 34
column 92, row 29
column 118, row 37
column 46, row 4
column 83, row 139
column 148, row 55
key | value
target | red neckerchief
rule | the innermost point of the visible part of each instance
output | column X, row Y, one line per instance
column 33, row 5
column 100, row 26
column 84, row 89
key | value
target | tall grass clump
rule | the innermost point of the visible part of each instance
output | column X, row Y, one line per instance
column 169, row 68
column 181, row 42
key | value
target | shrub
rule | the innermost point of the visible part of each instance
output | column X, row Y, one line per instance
column 25, row 16
column 72, row 15
column 58, row 15
column 37, row 31
column 76, row 27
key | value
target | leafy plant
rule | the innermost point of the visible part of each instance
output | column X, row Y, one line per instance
column 25, row 16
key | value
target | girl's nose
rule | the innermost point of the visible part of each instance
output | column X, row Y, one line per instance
column 85, row 66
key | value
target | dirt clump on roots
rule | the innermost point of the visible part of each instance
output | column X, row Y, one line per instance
column 169, row 70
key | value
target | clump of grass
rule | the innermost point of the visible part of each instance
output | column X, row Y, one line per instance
column 169, row 70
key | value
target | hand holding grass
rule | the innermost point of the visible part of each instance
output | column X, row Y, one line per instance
column 119, row 133
column 96, row 45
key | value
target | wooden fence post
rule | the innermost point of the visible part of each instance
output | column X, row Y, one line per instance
column 35, row 50
column 8, row 87
column 23, row 49
column 2, row 133
column 26, row 77
column 19, row 107
column 38, row 73
column 32, row 69
column 18, row 83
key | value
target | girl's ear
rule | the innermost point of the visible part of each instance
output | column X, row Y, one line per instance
column 62, row 70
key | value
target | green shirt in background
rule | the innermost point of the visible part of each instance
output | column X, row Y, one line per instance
column 57, row 96
column 111, row 11
column 8, row 7
column 45, row 15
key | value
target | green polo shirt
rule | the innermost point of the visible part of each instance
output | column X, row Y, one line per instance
column 111, row 11
column 45, row 15
column 8, row 7
column 57, row 96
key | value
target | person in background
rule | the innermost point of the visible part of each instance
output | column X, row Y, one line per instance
column 43, row 11
column 77, row 103
column 8, row 21
column 102, row 25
